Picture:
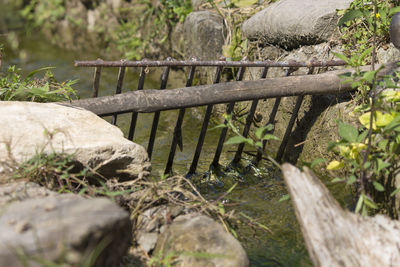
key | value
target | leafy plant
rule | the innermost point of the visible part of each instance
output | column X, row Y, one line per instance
column 368, row 154
column 136, row 37
column 43, row 13
column 358, row 21
column 14, row 87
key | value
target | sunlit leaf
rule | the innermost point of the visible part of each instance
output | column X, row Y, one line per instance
column 348, row 132
column 335, row 165
column 317, row 161
column 237, row 140
column 378, row 187
column 359, row 203
column 350, row 15
column 284, row 198
column 244, row 3
column 342, row 57
column 270, row 137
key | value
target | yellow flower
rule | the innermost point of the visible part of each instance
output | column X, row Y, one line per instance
column 335, row 165
column 378, row 15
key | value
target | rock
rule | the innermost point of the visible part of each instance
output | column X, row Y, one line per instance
column 195, row 234
column 151, row 223
column 292, row 23
column 66, row 228
column 204, row 35
column 20, row 191
column 394, row 30
column 196, row 4
column 390, row 54
column 50, row 127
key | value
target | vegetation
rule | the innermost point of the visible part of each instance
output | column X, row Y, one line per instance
column 359, row 24
column 15, row 88
column 368, row 154
column 137, row 37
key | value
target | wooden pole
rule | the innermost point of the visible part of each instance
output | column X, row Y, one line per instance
column 156, row 100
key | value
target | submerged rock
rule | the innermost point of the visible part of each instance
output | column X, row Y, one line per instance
column 65, row 228
column 37, row 127
column 292, row 23
column 197, row 240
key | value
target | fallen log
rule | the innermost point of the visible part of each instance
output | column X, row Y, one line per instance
column 337, row 237
column 157, row 100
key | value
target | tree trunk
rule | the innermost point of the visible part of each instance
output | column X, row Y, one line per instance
column 337, row 237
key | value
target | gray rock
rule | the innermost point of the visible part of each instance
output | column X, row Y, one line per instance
column 292, row 23
column 194, row 234
column 390, row 54
column 204, row 35
column 33, row 127
column 20, row 191
column 151, row 223
column 63, row 227
column 196, row 4
column 394, row 30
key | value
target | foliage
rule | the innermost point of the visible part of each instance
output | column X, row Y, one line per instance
column 136, row 37
column 357, row 24
column 43, row 12
column 368, row 154
column 262, row 135
column 14, row 88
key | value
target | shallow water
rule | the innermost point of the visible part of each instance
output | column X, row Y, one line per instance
column 259, row 189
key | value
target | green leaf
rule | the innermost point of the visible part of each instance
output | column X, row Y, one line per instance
column 359, row 203
column 381, row 165
column 260, row 132
column 370, row 203
column 394, row 10
column 348, row 132
column 395, row 192
column 342, row 57
column 362, row 136
column 383, row 143
column 337, row 180
column 317, row 161
column 244, row 3
column 350, row 15
column 351, row 180
column 284, row 198
column 36, row 71
column 237, row 140
column 270, row 137
column 378, row 186
column 369, row 76
column 231, row 189
column 259, row 144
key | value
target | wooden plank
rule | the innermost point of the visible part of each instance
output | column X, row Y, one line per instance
column 334, row 236
column 156, row 100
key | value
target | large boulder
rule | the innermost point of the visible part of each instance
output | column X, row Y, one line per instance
column 204, row 35
column 292, row 23
column 63, row 228
column 38, row 127
column 197, row 240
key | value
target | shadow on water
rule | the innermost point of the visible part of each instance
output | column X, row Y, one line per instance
column 259, row 189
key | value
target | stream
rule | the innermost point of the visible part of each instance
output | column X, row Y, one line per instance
column 259, row 189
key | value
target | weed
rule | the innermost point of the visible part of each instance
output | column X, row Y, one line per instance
column 368, row 154
column 14, row 88
column 357, row 25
